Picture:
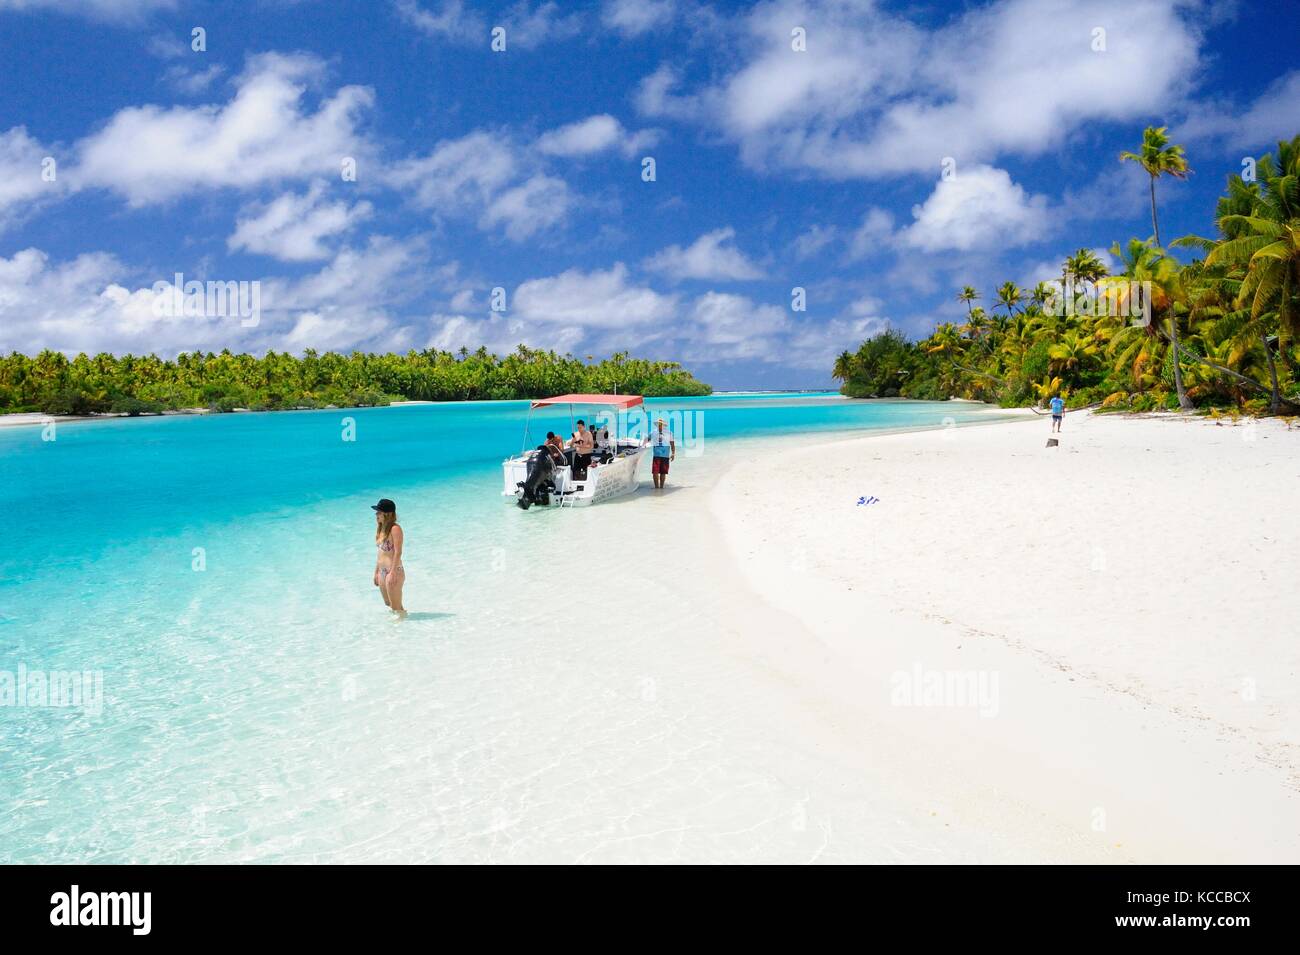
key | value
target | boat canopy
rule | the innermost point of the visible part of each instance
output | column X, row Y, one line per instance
column 621, row 402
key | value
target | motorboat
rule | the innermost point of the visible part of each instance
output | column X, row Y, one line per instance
column 535, row 476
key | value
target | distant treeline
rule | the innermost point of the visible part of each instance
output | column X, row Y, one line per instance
column 52, row 384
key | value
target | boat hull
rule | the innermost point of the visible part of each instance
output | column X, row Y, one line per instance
column 602, row 483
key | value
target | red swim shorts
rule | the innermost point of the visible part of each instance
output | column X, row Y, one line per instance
column 659, row 465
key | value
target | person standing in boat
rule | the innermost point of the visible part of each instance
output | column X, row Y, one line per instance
column 583, row 444
column 390, row 576
column 664, row 451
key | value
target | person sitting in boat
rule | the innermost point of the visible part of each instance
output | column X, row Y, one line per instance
column 582, row 444
column 555, row 446
column 600, row 448
column 603, row 448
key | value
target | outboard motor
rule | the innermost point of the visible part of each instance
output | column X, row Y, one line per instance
column 537, row 487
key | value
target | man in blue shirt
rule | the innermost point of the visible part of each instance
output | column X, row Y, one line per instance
column 664, row 451
column 1058, row 409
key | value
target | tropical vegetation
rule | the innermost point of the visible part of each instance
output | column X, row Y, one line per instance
column 1220, row 331
column 53, row 384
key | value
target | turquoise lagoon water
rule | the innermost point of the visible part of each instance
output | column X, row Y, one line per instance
column 259, row 705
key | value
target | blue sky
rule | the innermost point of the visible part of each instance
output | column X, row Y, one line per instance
column 522, row 169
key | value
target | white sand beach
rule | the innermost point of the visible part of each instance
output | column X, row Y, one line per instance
column 1122, row 607
column 26, row 419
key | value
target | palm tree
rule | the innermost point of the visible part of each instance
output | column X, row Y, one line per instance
column 1160, row 158
column 968, row 295
column 1268, row 246
column 1047, row 327
column 1237, row 331
column 1071, row 352
column 1086, row 267
column 843, row 366
column 1048, row 387
column 1139, row 357
column 1143, row 264
column 977, row 324
column 1009, row 296
column 945, row 341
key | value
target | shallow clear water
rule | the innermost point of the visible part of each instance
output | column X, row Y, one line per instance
column 258, row 705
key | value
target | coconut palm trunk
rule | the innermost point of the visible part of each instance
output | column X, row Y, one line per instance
column 1155, row 224
column 1184, row 402
column 1276, row 402
column 1158, row 157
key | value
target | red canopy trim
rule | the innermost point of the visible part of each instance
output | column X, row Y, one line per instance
column 621, row 402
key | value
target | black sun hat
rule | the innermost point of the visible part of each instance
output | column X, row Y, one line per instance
column 385, row 506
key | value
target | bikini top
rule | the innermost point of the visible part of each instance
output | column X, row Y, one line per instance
column 386, row 546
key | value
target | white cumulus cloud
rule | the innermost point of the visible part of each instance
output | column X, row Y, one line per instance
column 592, row 135
column 482, row 176
column 635, row 17
column 294, row 227
column 875, row 94
column 596, row 299
column 94, row 303
column 23, row 178
column 980, row 207
column 150, row 154
column 527, row 25
column 1274, row 115
column 531, row 207
column 725, row 327
column 713, row 256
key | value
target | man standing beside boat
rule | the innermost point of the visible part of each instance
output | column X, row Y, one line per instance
column 664, row 450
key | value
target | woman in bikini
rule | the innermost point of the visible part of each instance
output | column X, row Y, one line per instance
column 389, row 573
